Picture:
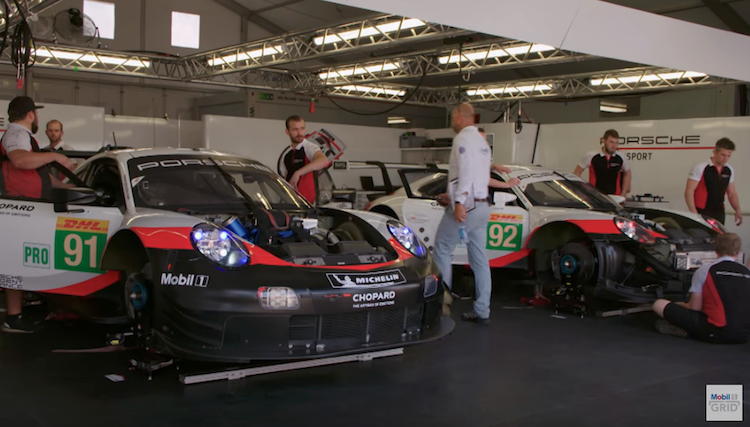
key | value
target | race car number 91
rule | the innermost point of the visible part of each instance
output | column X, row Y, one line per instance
column 79, row 244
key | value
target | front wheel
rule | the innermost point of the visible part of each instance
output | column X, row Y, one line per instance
column 139, row 303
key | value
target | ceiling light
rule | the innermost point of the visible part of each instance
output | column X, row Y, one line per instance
column 398, row 120
column 388, row 66
column 496, row 53
column 244, row 56
column 509, row 89
column 110, row 60
column 612, row 107
column 373, row 90
column 646, row 78
column 369, row 31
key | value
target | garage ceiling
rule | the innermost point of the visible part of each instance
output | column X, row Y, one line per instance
column 318, row 48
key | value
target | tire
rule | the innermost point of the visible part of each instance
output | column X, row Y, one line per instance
column 348, row 231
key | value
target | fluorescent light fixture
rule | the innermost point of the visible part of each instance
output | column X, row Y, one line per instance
column 110, row 60
column 496, row 53
column 646, row 78
column 509, row 89
column 369, row 31
column 388, row 66
column 244, row 56
column 398, row 120
column 612, row 107
column 373, row 90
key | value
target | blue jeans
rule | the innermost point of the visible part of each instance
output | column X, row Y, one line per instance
column 447, row 238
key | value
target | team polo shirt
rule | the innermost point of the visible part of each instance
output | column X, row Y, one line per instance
column 712, row 185
column 605, row 171
column 724, row 286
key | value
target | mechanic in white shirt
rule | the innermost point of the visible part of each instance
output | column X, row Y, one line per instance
column 304, row 157
column 468, row 184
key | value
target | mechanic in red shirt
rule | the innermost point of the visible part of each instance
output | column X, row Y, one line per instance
column 710, row 181
column 608, row 169
column 26, row 175
column 717, row 311
column 305, row 157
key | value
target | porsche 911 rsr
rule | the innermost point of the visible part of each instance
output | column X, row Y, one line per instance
column 565, row 231
column 216, row 257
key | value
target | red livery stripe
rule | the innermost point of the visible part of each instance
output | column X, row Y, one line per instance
column 596, row 226
column 509, row 259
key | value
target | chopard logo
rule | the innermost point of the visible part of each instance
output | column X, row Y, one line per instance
column 366, row 280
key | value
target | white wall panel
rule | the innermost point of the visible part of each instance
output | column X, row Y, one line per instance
column 264, row 140
column 142, row 132
column 83, row 127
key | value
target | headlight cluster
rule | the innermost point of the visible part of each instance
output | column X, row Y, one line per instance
column 634, row 230
column 278, row 298
column 219, row 245
column 408, row 239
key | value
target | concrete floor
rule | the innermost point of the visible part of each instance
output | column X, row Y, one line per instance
column 525, row 369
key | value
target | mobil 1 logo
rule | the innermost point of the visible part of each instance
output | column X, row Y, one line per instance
column 36, row 255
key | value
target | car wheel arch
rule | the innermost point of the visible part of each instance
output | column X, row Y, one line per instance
column 555, row 235
column 124, row 252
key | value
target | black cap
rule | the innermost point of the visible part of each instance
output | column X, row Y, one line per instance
column 22, row 105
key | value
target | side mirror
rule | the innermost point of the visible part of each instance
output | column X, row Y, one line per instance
column 77, row 195
column 501, row 198
column 617, row 199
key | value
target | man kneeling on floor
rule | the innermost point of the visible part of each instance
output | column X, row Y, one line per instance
column 719, row 307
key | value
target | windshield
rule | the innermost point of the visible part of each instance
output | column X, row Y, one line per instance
column 561, row 193
column 194, row 182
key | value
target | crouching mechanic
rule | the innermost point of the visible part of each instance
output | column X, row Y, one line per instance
column 719, row 307
column 25, row 174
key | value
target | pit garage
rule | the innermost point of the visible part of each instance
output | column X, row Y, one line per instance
column 226, row 212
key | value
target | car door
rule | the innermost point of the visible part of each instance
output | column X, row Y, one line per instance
column 420, row 211
column 507, row 229
column 45, row 250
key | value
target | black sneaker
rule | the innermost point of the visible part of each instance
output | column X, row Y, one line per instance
column 20, row 325
column 667, row 328
column 472, row 317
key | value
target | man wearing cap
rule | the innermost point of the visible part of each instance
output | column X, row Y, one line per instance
column 25, row 173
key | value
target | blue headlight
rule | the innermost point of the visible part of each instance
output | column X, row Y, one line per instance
column 408, row 239
column 219, row 246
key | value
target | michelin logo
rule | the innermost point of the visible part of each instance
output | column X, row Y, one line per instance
column 197, row 280
column 366, row 280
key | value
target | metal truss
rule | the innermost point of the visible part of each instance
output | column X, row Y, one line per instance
column 474, row 58
column 354, row 36
column 582, row 85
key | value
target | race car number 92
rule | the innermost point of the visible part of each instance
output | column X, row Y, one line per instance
column 79, row 244
column 504, row 236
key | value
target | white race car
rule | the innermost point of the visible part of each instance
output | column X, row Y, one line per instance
column 563, row 230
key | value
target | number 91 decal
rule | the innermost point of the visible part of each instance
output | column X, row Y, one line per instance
column 503, row 236
column 79, row 244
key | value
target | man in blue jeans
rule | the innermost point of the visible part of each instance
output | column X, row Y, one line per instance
column 468, row 183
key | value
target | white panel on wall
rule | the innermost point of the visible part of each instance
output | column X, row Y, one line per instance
column 83, row 127
column 264, row 140
column 142, row 132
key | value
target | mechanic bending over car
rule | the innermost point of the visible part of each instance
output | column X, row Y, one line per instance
column 304, row 158
column 709, row 181
column 717, row 311
column 608, row 169
column 25, row 173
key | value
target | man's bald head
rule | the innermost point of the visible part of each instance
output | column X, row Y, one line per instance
column 462, row 116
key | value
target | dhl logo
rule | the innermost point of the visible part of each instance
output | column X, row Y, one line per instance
column 506, row 217
column 88, row 225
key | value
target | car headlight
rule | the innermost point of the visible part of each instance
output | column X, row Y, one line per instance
column 408, row 239
column 219, row 245
column 634, row 230
column 718, row 226
column 278, row 298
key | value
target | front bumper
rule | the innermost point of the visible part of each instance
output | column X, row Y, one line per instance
column 224, row 321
